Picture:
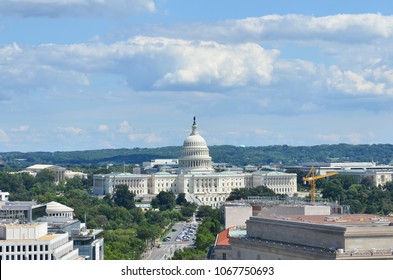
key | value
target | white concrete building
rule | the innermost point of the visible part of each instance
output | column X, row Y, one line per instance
column 279, row 182
column 58, row 171
column 32, row 242
column 195, row 177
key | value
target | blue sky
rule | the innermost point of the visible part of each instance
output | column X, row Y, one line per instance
column 94, row 74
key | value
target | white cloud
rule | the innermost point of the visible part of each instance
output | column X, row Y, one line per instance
column 210, row 63
column 60, row 8
column 124, row 127
column 356, row 83
column 148, row 138
column 134, row 136
column 354, row 138
column 145, row 62
column 348, row 28
column 329, row 138
column 70, row 130
column 309, row 107
column 261, row 132
column 3, row 136
column 21, row 128
column 103, row 128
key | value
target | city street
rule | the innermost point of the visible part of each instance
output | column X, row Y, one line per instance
column 165, row 250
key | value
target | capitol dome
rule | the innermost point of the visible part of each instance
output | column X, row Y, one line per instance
column 195, row 154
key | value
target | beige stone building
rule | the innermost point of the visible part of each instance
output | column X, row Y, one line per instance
column 315, row 237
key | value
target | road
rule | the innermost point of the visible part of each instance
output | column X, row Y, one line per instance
column 167, row 249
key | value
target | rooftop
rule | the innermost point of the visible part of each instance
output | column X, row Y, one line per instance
column 223, row 236
column 344, row 220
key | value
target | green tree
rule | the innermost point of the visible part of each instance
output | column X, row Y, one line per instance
column 148, row 232
column 188, row 209
column 123, row 197
column 244, row 193
column 45, row 175
column 164, row 201
column 122, row 244
column 189, row 254
column 333, row 191
column 181, row 199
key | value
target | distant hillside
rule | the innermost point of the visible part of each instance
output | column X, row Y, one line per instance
column 288, row 155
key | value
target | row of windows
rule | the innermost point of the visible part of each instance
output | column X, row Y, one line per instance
column 27, row 257
column 23, row 248
column 283, row 190
column 129, row 182
column 195, row 153
column 166, row 185
column 212, row 198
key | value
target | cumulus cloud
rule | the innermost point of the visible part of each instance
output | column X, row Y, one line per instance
column 360, row 83
column 146, row 137
column 21, row 128
column 220, row 65
column 344, row 28
column 3, row 136
column 261, row 132
column 146, row 63
column 329, row 138
column 103, row 128
column 70, row 130
column 76, row 8
column 134, row 136
column 354, row 138
column 124, row 127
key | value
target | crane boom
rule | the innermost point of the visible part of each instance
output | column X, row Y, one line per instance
column 312, row 178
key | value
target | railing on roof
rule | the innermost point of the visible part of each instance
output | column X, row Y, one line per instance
column 272, row 200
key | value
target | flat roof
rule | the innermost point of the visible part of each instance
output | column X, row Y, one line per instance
column 344, row 219
column 47, row 237
column 223, row 236
column 20, row 225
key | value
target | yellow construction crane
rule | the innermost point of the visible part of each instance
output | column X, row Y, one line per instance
column 312, row 178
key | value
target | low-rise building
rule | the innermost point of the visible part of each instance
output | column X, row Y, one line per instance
column 60, row 219
column 356, row 236
column 33, row 242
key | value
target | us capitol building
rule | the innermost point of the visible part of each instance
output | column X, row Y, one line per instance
column 195, row 177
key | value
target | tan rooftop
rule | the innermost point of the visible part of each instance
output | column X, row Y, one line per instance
column 345, row 219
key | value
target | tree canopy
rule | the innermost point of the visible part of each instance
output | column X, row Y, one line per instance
column 123, row 197
column 243, row 193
